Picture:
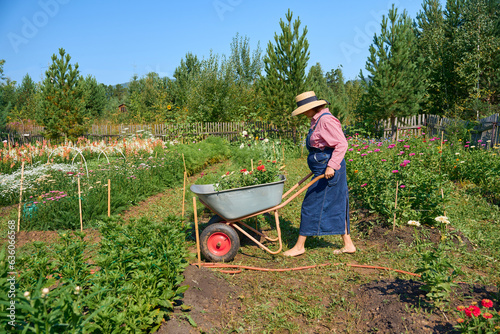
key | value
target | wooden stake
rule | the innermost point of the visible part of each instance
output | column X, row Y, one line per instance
column 251, row 163
column 196, row 231
column 184, row 161
column 20, row 197
column 395, row 206
column 109, row 197
column 442, row 139
column 183, row 194
column 80, row 204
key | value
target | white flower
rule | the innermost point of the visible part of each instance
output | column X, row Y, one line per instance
column 472, row 146
column 266, row 140
column 244, row 133
column 488, row 141
column 45, row 291
column 457, row 153
column 77, row 290
column 27, row 294
column 413, row 222
column 245, row 173
column 242, row 145
column 462, row 162
column 223, row 176
column 442, row 219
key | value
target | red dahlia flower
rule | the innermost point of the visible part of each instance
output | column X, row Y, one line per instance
column 486, row 303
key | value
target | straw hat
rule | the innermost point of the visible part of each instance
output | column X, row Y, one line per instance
column 306, row 101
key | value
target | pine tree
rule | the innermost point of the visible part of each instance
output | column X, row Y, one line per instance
column 395, row 86
column 431, row 46
column 26, row 101
column 317, row 82
column 7, row 95
column 62, row 107
column 94, row 95
column 478, row 46
column 339, row 98
column 285, row 66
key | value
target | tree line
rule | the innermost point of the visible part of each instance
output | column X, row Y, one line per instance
column 446, row 61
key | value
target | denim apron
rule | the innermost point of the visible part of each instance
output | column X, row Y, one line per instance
column 325, row 209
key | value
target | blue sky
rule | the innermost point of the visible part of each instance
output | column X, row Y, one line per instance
column 113, row 40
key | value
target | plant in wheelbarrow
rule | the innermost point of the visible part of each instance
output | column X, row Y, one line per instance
column 264, row 173
column 236, row 196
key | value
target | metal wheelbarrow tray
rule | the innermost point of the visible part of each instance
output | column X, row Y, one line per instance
column 239, row 202
column 219, row 240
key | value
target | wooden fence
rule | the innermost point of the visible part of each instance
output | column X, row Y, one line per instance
column 487, row 130
column 177, row 131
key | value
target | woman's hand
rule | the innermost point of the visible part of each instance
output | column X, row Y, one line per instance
column 329, row 172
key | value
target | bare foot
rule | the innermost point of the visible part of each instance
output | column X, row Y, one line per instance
column 344, row 250
column 294, row 252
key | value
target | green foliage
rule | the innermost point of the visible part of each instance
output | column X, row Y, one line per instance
column 133, row 291
column 263, row 173
column 395, row 86
column 377, row 170
column 148, row 101
column 218, row 89
column 247, row 65
column 50, row 196
column 7, row 95
column 434, row 269
column 213, row 93
column 285, row 66
column 62, row 108
column 141, row 263
column 460, row 45
column 476, row 43
column 431, row 43
column 344, row 96
column 184, row 74
column 94, row 95
column 27, row 99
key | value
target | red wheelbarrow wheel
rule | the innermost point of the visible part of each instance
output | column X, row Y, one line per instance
column 219, row 219
column 219, row 243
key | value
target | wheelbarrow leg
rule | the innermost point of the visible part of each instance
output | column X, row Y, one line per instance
column 276, row 217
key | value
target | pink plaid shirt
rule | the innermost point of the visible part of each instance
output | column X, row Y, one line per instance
column 329, row 133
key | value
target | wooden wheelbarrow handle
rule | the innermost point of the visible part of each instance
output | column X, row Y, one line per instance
column 301, row 190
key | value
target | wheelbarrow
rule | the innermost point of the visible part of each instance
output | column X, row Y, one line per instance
column 220, row 241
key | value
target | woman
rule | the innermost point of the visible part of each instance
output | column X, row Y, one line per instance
column 325, row 210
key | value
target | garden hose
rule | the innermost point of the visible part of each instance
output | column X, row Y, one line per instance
column 241, row 267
